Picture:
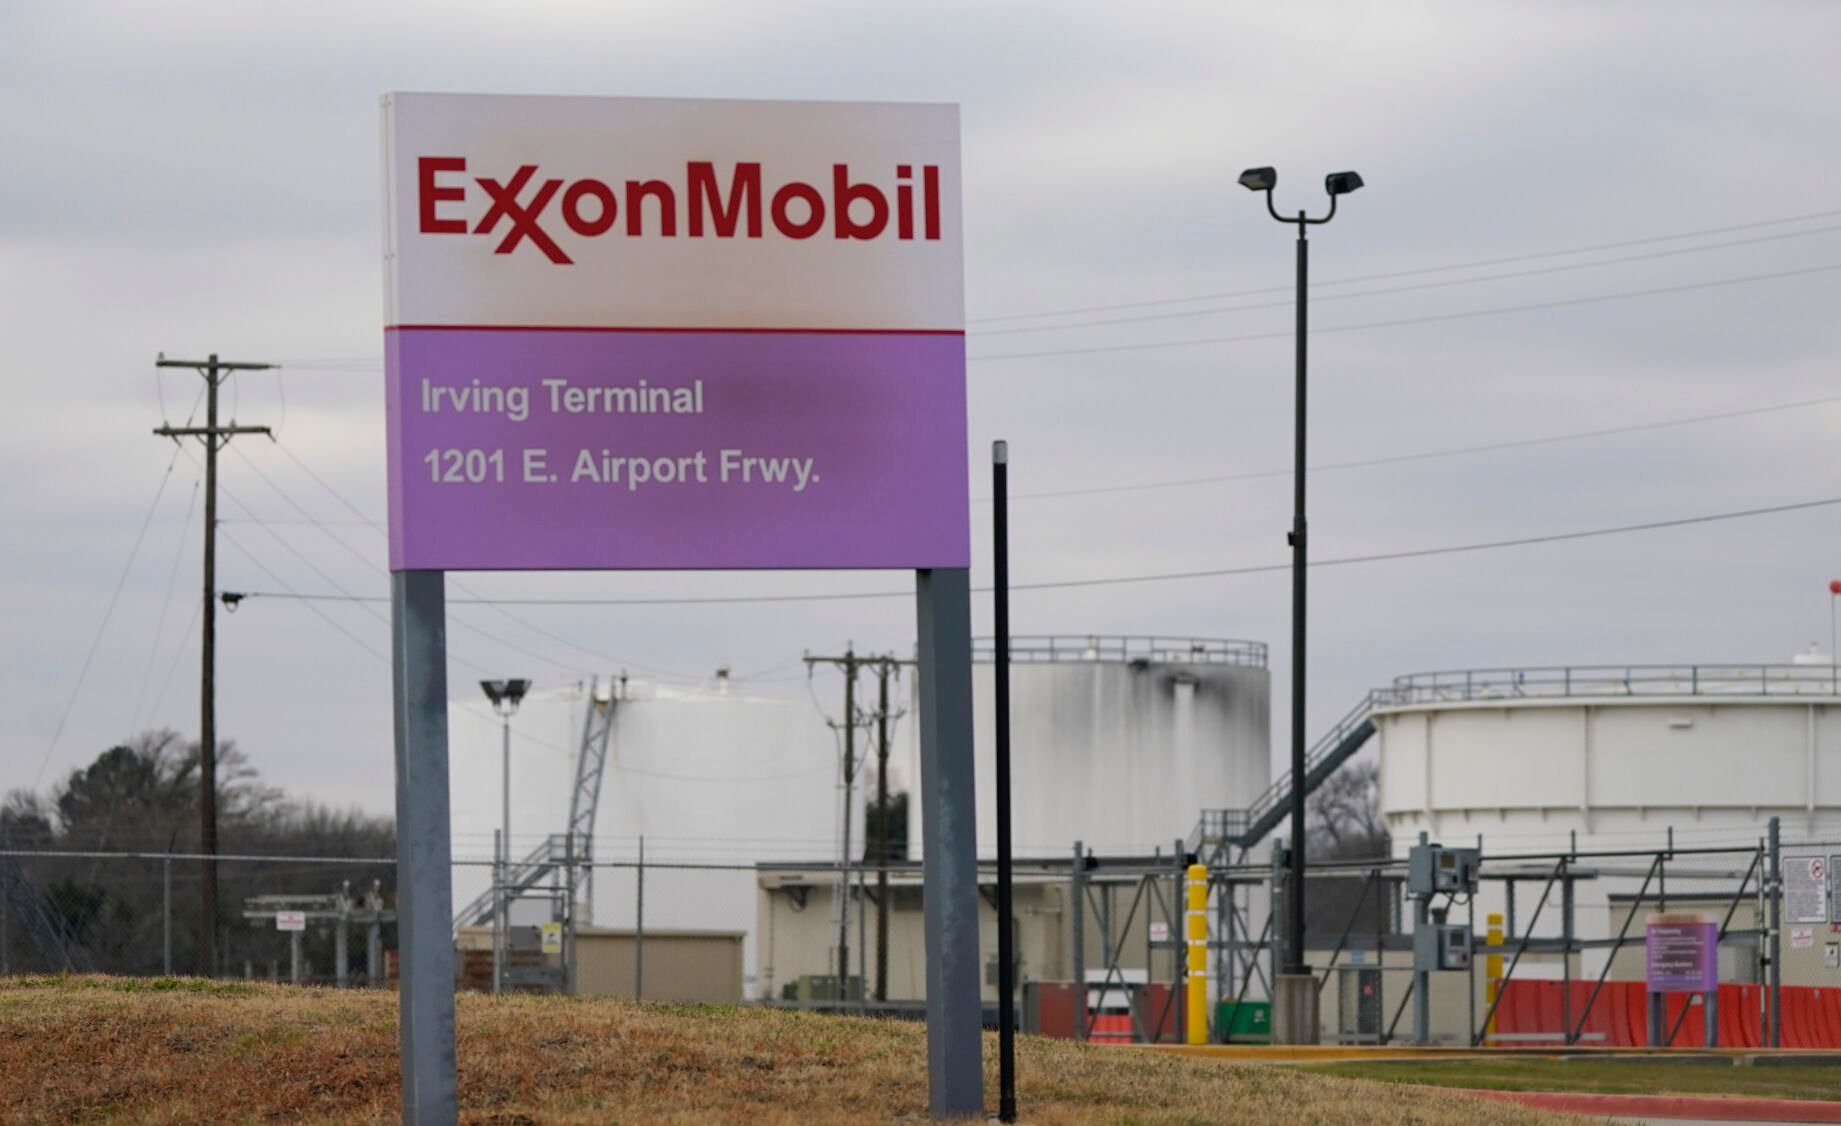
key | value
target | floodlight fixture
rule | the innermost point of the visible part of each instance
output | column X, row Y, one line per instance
column 1342, row 183
column 1259, row 179
column 505, row 695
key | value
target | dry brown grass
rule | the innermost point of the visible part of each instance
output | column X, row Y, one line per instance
column 191, row 1051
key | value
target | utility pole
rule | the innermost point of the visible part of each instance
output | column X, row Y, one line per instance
column 849, row 663
column 213, row 437
column 885, row 668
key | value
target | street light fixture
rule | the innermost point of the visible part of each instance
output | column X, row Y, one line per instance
column 505, row 696
column 1295, row 1005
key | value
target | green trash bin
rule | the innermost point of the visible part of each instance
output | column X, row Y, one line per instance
column 1245, row 1022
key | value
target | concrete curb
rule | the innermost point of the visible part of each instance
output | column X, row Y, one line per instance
column 1718, row 1108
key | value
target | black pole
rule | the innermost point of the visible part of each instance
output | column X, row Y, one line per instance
column 1294, row 897
column 884, row 853
column 1006, row 955
column 207, row 696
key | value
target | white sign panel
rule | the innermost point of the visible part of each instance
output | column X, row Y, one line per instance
column 1805, row 889
column 290, row 920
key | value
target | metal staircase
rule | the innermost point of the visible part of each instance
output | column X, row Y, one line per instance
column 575, row 847
column 549, row 856
column 1220, row 830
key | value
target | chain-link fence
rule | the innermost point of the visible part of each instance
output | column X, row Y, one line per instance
column 68, row 911
column 1532, row 948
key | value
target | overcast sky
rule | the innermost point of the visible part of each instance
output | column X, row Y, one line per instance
column 191, row 178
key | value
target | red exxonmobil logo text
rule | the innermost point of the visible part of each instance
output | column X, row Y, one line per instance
column 526, row 207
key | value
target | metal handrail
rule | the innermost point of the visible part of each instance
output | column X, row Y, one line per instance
column 1356, row 716
column 1091, row 648
column 1676, row 681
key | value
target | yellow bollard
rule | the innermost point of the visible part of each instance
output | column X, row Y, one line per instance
column 1492, row 970
column 1197, row 1005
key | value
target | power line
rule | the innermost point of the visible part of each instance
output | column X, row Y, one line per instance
column 350, row 364
column 1419, row 272
column 178, row 655
column 1121, row 580
column 172, row 583
column 1402, row 321
column 372, row 564
column 1390, row 290
column 1427, row 455
column 1497, row 311
column 354, row 638
column 108, row 614
column 668, row 674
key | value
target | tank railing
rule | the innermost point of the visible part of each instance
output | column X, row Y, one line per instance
column 1075, row 648
column 1613, row 680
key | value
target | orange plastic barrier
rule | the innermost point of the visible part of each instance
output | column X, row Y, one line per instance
column 1532, row 1011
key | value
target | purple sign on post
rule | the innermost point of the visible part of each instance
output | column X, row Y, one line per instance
column 1682, row 957
column 674, row 334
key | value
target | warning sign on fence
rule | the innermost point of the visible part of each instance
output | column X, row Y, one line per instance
column 1805, row 889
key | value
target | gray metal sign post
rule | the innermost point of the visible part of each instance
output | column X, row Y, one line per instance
column 949, row 845
column 424, row 864
column 425, row 909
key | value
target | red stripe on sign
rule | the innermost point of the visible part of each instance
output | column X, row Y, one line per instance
column 678, row 328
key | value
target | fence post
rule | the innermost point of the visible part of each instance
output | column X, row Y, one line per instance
column 1774, row 903
column 1077, row 880
column 374, row 951
column 498, row 910
column 1566, row 953
column 341, row 948
column 863, row 946
column 639, row 925
column 166, row 915
column 570, row 888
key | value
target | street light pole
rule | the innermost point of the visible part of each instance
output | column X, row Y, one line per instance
column 1294, row 901
column 1295, row 1011
column 505, row 695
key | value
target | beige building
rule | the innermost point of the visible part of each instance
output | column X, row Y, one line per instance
column 680, row 965
column 797, row 929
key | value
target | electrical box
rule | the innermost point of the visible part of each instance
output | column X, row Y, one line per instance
column 1433, row 869
column 1442, row 947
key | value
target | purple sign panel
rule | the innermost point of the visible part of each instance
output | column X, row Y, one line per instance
column 538, row 449
column 1682, row 957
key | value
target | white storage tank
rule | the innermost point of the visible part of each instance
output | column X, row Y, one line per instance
column 1615, row 754
column 1117, row 742
column 705, row 771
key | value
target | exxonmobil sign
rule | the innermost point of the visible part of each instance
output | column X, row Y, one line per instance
column 527, row 208
column 645, row 333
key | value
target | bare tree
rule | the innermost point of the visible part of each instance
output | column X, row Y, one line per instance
column 1345, row 819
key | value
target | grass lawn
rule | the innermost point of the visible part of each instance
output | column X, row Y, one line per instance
column 184, row 1050
column 1609, row 1076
